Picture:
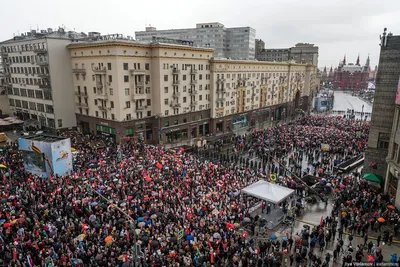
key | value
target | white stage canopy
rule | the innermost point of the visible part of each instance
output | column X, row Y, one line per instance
column 267, row 191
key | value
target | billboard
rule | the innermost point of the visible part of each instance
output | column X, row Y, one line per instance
column 398, row 93
column 46, row 156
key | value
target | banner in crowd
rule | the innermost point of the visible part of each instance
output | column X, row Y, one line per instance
column 46, row 156
column 324, row 147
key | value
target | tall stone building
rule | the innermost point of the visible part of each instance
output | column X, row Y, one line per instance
column 383, row 111
column 180, row 93
column 235, row 43
column 351, row 76
column 300, row 53
column 38, row 77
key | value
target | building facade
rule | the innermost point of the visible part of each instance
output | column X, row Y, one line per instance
column 392, row 179
column 235, row 43
column 38, row 78
column 169, row 93
column 249, row 93
column 350, row 76
column 301, row 53
column 383, row 142
column 157, row 90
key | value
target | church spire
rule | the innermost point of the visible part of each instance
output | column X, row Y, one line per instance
column 358, row 60
column 367, row 63
column 344, row 60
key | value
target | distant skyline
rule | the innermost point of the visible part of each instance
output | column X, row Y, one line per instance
column 336, row 27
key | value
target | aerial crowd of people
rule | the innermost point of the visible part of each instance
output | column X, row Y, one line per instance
column 141, row 205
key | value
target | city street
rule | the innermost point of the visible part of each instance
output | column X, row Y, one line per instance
column 344, row 101
column 313, row 217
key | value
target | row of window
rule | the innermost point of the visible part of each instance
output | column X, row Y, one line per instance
column 23, row 48
column 184, row 120
column 253, row 75
column 27, row 59
column 39, row 94
column 30, row 105
column 29, row 81
column 27, row 70
column 167, row 66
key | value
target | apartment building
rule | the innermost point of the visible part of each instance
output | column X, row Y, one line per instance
column 126, row 88
column 234, row 43
column 172, row 92
column 250, row 93
column 38, row 78
column 4, row 108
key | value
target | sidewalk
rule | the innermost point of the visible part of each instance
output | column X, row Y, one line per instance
column 373, row 237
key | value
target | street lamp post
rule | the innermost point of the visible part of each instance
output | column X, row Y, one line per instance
column 159, row 116
column 362, row 112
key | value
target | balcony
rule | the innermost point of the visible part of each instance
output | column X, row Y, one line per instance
column 44, row 75
column 84, row 94
column 4, row 54
column 7, row 63
column 43, row 63
column 101, row 95
column 221, row 99
column 176, row 82
column 40, row 50
column 139, row 84
column 193, row 82
column 193, row 71
column 99, row 86
column 137, row 72
column 175, row 105
column 99, row 70
column 141, row 107
column 102, row 107
column 79, row 71
column 176, row 71
column 176, row 95
column 7, row 74
column 221, row 90
column 221, row 81
column 45, row 86
column 193, row 92
column 193, row 103
column 82, row 105
column 138, row 96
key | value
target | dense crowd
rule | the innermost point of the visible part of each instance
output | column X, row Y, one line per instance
column 178, row 209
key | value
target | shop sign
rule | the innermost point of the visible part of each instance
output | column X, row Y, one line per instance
column 129, row 131
column 174, row 130
column 105, row 129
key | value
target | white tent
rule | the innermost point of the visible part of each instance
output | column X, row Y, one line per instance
column 267, row 191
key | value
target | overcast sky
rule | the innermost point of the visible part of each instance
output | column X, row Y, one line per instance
column 338, row 27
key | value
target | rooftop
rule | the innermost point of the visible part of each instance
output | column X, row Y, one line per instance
column 120, row 40
column 44, row 138
column 61, row 33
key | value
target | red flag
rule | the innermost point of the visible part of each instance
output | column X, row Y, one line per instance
column 14, row 254
column 321, row 221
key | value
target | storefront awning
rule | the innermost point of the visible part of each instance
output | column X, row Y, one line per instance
column 267, row 191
